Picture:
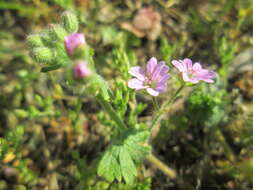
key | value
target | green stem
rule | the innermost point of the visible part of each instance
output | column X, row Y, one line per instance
column 155, row 103
column 167, row 103
column 78, row 108
column 112, row 113
column 151, row 158
column 161, row 166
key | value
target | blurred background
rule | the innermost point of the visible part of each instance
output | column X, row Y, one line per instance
column 44, row 145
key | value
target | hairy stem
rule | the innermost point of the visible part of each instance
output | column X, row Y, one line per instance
column 155, row 103
column 161, row 166
column 78, row 108
column 112, row 113
column 159, row 114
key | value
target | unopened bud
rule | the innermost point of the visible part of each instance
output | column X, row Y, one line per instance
column 70, row 22
column 42, row 54
column 57, row 32
column 81, row 70
column 72, row 42
column 34, row 40
column 46, row 38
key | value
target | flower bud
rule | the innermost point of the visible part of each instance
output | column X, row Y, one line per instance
column 42, row 54
column 34, row 40
column 57, row 32
column 70, row 22
column 81, row 70
column 72, row 42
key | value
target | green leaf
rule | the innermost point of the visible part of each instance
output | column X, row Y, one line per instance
column 103, row 86
column 115, row 163
column 136, row 151
column 109, row 166
column 51, row 68
column 105, row 164
column 128, row 168
column 119, row 159
column 138, row 137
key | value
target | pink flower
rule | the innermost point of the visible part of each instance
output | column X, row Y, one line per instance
column 153, row 78
column 193, row 72
column 73, row 41
column 81, row 70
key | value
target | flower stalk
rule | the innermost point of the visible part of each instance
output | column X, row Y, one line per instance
column 112, row 113
column 159, row 114
column 161, row 166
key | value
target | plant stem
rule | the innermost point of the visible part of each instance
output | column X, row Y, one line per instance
column 151, row 158
column 112, row 113
column 161, row 111
column 78, row 108
column 155, row 103
column 161, row 166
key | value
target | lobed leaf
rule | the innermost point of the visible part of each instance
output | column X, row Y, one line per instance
column 127, row 166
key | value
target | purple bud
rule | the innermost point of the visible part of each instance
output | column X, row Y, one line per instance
column 73, row 41
column 81, row 70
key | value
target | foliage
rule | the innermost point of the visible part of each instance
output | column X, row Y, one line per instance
column 54, row 134
column 118, row 160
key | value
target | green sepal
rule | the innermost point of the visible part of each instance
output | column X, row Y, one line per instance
column 34, row 40
column 70, row 22
column 43, row 54
column 57, row 32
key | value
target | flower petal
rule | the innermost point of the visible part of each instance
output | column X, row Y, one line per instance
column 163, row 79
column 137, row 72
column 152, row 92
column 161, row 88
column 81, row 70
column 206, row 75
column 160, row 70
column 188, row 64
column 164, row 69
column 179, row 65
column 72, row 41
column 208, row 80
column 136, row 84
column 193, row 80
column 197, row 67
column 151, row 65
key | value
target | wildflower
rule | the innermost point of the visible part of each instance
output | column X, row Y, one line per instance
column 81, row 70
column 193, row 72
column 72, row 42
column 153, row 78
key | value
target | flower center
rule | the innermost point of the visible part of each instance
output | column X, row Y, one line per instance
column 149, row 82
column 191, row 73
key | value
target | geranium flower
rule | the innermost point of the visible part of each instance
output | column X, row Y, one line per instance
column 153, row 78
column 193, row 72
column 81, row 70
column 73, row 41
